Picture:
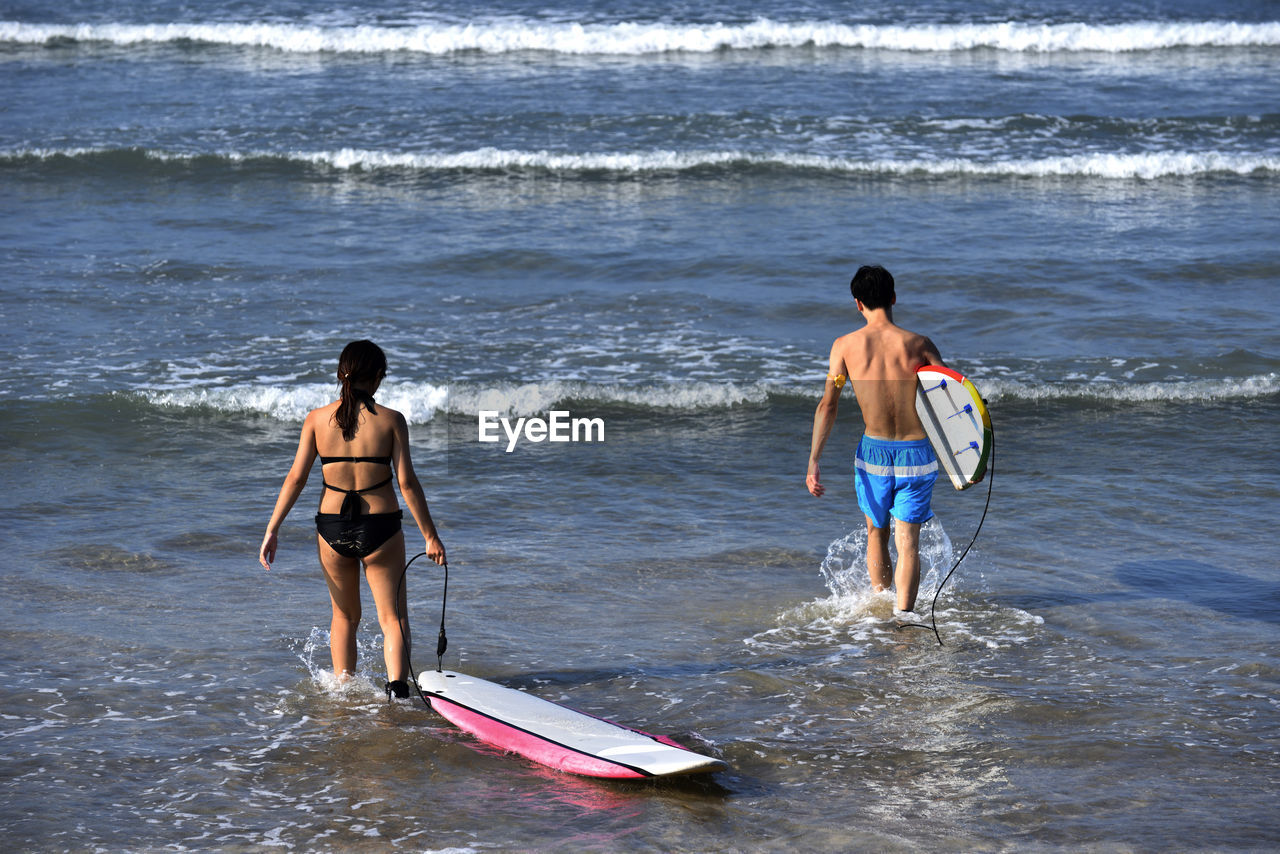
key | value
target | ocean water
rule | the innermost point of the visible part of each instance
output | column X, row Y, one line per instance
column 647, row 214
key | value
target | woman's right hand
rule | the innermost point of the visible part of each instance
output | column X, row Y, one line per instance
column 267, row 553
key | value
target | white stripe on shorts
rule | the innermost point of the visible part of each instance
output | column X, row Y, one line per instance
column 896, row 471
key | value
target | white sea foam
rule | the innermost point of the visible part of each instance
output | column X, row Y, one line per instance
column 1173, row 391
column 1111, row 166
column 641, row 38
column 853, row 618
column 422, row 402
column 534, row 398
column 853, row 612
column 419, row 402
column 1101, row 165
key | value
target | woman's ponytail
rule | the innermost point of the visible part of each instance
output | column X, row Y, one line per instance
column 362, row 363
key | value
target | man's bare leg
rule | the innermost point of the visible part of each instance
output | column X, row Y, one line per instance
column 907, row 576
column 879, row 567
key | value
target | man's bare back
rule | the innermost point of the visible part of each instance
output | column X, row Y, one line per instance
column 880, row 361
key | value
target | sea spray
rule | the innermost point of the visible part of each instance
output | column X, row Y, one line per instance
column 363, row 685
column 844, row 569
column 853, row 614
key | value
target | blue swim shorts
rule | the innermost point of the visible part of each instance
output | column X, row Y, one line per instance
column 895, row 478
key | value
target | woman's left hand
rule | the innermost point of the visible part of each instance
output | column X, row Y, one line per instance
column 435, row 550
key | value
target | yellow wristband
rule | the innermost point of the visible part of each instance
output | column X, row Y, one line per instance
column 838, row 379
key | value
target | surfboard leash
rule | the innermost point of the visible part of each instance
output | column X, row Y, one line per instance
column 442, row 640
column 933, row 609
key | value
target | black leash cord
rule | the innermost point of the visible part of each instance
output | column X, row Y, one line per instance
column 442, row 642
column 933, row 610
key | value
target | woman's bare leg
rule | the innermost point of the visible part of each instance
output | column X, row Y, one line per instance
column 384, row 569
column 343, row 577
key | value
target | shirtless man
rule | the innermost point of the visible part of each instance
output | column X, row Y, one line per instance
column 895, row 467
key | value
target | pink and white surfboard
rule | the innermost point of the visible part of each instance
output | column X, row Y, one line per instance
column 555, row 735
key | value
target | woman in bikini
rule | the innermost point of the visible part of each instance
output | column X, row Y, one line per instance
column 360, row 443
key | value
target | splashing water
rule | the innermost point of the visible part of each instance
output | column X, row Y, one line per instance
column 314, row 654
column 844, row 569
column 853, row 614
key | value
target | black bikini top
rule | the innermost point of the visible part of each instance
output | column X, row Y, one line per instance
column 350, row 504
column 386, row 461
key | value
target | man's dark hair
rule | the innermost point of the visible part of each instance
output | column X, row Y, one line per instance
column 872, row 286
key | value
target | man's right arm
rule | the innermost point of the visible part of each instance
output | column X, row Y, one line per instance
column 824, row 418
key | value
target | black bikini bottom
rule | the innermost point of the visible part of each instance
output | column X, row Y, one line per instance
column 357, row 536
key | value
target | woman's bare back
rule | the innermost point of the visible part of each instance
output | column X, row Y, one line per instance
column 375, row 438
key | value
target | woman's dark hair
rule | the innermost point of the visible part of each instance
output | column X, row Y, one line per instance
column 362, row 363
column 872, row 286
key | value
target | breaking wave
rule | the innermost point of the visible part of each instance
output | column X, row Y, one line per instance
column 638, row 38
column 422, row 402
column 1144, row 165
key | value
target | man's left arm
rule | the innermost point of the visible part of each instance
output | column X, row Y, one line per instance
column 931, row 354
